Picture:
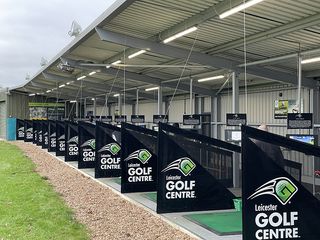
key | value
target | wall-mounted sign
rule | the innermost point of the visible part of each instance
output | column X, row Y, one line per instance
column 160, row 118
column 137, row 118
column 236, row 119
column 44, row 111
column 299, row 121
column 193, row 119
column 120, row 118
column 283, row 107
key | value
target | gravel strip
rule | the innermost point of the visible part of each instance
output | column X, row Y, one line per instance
column 107, row 215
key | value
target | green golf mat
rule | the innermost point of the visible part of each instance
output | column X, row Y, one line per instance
column 117, row 180
column 221, row 223
column 151, row 196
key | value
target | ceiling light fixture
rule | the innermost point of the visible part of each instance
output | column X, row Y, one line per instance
column 310, row 60
column 210, row 78
column 116, row 62
column 151, row 89
column 239, row 8
column 92, row 99
column 137, row 54
column 116, row 95
column 92, row 73
column 180, row 34
column 62, row 85
column 68, row 83
column 48, row 91
column 32, row 94
column 82, row 77
column 73, row 101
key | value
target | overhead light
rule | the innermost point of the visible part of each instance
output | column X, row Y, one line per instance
column 93, row 72
column 239, row 8
column 137, row 54
column 151, row 89
column 210, row 78
column 48, row 91
column 73, row 101
column 108, row 66
column 82, row 77
column 116, row 95
column 92, row 99
column 116, row 62
column 311, row 60
column 54, row 89
column 62, row 85
column 180, row 34
column 68, row 83
column 32, row 94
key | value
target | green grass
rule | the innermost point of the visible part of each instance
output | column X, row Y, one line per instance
column 29, row 207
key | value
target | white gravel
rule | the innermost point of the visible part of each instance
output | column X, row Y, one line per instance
column 106, row 215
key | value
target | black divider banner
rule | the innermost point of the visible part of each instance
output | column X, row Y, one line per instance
column 275, row 204
column 52, row 134
column 72, row 140
column 120, row 118
column 45, row 136
column 299, row 121
column 193, row 119
column 236, row 119
column 137, row 118
column 87, row 145
column 160, row 118
column 28, row 131
column 139, row 159
column 39, row 133
column 183, row 183
column 19, row 129
column 60, row 138
column 108, row 150
column 35, row 124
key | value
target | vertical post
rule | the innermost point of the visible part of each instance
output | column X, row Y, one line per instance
column 94, row 107
column 160, row 100
column 65, row 109
column 137, row 102
column 106, row 105
column 191, row 97
column 235, row 109
column 119, row 104
column 85, row 107
column 299, row 81
column 77, row 108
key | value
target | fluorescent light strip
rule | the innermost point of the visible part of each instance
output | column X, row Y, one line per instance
column 68, row 83
column 82, row 77
column 92, row 99
column 73, row 101
column 32, row 94
column 116, row 62
column 137, row 54
column 116, row 95
column 239, row 8
column 210, row 78
column 180, row 34
column 61, row 86
column 48, row 91
column 310, row 60
column 93, row 72
column 151, row 89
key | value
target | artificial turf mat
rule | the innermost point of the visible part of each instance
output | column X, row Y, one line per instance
column 221, row 223
column 151, row 196
column 117, row 180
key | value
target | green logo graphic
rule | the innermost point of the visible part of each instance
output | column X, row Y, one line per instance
column 91, row 143
column 114, row 148
column 142, row 154
column 185, row 165
column 281, row 188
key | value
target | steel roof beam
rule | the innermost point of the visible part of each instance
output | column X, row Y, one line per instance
column 197, row 57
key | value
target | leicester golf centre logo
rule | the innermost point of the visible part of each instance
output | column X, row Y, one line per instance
column 29, row 130
column 185, row 165
column 91, row 143
column 281, row 188
column 54, row 135
column 73, row 140
column 114, row 148
column 142, row 154
column 21, row 129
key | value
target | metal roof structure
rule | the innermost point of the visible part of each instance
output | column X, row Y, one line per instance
column 273, row 31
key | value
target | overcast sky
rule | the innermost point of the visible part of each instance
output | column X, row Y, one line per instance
column 33, row 29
